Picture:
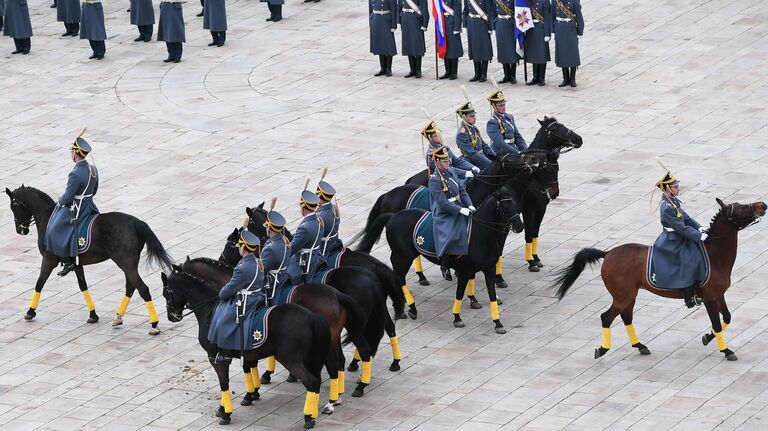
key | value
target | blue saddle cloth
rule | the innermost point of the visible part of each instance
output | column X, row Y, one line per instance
column 321, row 277
column 659, row 272
column 259, row 327
column 419, row 199
column 424, row 237
column 284, row 296
column 84, row 233
column 334, row 259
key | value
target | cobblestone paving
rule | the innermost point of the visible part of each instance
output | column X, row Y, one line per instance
column 187, row 146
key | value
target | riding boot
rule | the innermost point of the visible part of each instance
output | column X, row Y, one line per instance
column 389, row 65
column 688, row 293
column 512, row 73
column 573, row 77
column 454, row 68
column 278, row 13
column 447, row 74
column 505, row 66
column 271, row 12
column 542, row 73
column 417, row 68
column 215, row 39
column 222, row 38
column 68, row 265
column 566, row 79
column 445, row 266
column 382, row 65
column 477, row 72
column 411, row 64
column 483, row 71
column 19, row 43
column 68, row 27
column 535, row 79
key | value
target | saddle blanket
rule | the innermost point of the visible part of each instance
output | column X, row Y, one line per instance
column 658, row 278
column 334, row 259
column 424, row 237
column 259, row 326
column 320, row 277
column 284, row 296
column 419, row 199
column 84, row 233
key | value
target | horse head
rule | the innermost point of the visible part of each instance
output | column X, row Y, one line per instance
column 181, row 289
column 174, row 303
column 231, row 253
column 256, row 219
column 508, row 210
column 557, row 135
column 741, row 215
column 22, row 215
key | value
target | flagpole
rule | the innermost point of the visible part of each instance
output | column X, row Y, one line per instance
column 436, row 53
column 525, row 64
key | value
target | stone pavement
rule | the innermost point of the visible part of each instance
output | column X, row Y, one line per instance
column 187, row 146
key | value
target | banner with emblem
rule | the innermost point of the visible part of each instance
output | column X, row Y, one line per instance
column 438, row 11
column 523, row 22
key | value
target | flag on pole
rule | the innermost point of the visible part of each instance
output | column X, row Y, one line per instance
column 523, row 21
column 440, row 34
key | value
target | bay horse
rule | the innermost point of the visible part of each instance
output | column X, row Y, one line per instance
column 298, row 339
column 340, row 311
column 489, row 227
column 116, row 236
column 624, row 274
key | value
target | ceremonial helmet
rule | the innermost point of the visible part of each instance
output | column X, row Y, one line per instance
column 497, row 98
column 430, row 129
column 667, row 181
column 324, row 190
column 466, row 109
column 441, row 153
column 309, row 200
column 81, row 147
column 249, row 240
column 275, row 221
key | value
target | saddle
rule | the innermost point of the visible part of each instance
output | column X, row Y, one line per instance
column 84, row 233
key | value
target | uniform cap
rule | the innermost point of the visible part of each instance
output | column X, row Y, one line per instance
column 466, row 109
column 81, row 147
column 275, row 221
column 309, row 200
column 497, row 98
column 325, row 191
column 667, row 181
column 441, row 154
column 430, row 129
column 249, row 240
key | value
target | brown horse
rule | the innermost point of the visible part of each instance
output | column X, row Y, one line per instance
column 624, row 274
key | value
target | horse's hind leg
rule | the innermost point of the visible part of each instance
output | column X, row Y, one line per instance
column 389, row 326
column 332, row 366
column 266, row 378
column 123, row 307
column 473, row 302
column 400, row 266
column 535, row 235
column 706, row 338
column 626, row 317
column 529, row 217
column 713, row 310
column 342, row 362
column 135, row 280
column 490, row 285
column 225, row 408
column 252, row 382
column 46, row 267
column 606, row 319
column 461, row 284
column 420, row 271
column 311, row 381
column 93, row 317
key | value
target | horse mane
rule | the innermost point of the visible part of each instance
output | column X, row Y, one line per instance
column 716, row 218
column 539, row 139
column 37, row 192
column 194, row 278
column 211, row 262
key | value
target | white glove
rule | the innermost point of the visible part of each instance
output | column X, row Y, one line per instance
column 469, row 174
column 702, row 229
column 464, row 211
column 507, row 141
column 546, row 38
column 475, row 169
column 423, row 29
column 456, row 32
column 472, row 209
column 392, row 30
column 704, row 236
column 578, row 37
column 490, row 31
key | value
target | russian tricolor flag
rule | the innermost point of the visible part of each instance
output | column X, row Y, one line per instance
column 440, row 33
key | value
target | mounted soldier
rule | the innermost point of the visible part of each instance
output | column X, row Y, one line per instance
column 679, row 250
column 275, row 254
column 329, row 213
column 501, row 128
column 469, row 140
column 451, row 207
column 239, row 300
column 74, row 206
column 461, row 167
column 306, row 253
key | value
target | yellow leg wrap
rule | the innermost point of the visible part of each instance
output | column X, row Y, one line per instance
column 632, row 334
column 535, row 246
column 720, row 341
column 456, row 306
column 342, row 387
column 528, row 251
column 395, row 347
column 494, row 310
column 606, row 338
column 356, row 355
column 365, row 376
column 723, row 325
column 88, row 301
column 226, row 401
column 249, row 386
column 35, row 300
column 315, row 402
column 151, row 311
column 123, row 305
column 417, row 264
column 271, row 364
column 256, row 378
column 498, row 266
column 334, row 394
column 308, row 404
column 408, row 296
column 471, row 287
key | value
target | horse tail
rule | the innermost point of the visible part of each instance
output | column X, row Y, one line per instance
column 372, row 232
column 392, row 287
column 321, row 341
column 156, row 254
column 567, row 276
column 375, row 212
column 355, row 317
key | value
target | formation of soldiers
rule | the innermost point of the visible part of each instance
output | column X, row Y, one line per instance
column 558, row 19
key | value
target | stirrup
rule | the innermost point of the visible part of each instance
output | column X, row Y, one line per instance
column 68, row 267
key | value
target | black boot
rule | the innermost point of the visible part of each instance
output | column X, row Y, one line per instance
column 278, row 13
column 68, row 265
column 389, row 64
column 483, row 71
column 505, row 66
column 382, row 66
column 447, row 74
column 512, row 73
column 215, row 37
column 417, row 68
column 178, row 49
column 412, row 65
column 535, row 79
column 566, row 79
column 222, row 38
column 689, row 301
column 19, row 43
column 542, row 74
column 68, row 27
column 477, row 72
column 445, row 267
column 454, row 68
column 573, row 77
column 271, row 12
column 171, row 52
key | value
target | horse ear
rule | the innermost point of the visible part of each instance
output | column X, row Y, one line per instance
column 248, row 211
column 187, row 259
column 720, row 202
column 9, row 193
column 176, row 268
column 261, row 205
column 541, row 122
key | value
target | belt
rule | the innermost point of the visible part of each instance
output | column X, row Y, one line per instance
column 505, row 16
column 307, row 250
column 91, row 195
column 381, row 12
column 669, row 229
column 564, row 19
column 536, row 21
column 91, row 1
column 476, row 16
column 408, row 10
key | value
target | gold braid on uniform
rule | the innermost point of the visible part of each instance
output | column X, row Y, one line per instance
column 536, row 14
column 501, row 124
column 565, row 10
column 505, row 8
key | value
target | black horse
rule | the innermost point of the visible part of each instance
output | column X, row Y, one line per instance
column 298, row 339
column 117, row 236
column 535, row 192
column 491, row 223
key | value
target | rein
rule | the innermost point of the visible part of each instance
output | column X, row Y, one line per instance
column 728, row 217
column 494, row 226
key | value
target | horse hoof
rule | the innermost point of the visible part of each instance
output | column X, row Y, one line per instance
column 92, row 320
column 226, row 420
column 28, row 317
column 117, row 321
column 246, row 402
column 309, row 423
column 249, row 398
column 400, row 316
column 220, row 412
column 395, row 366
column 706, row 338
column 499, row 301
column 458, row 324
column 424, row 282
column 154, row 331
column 500, row 330
column 266, row 378
column 731, row 357
column 291, row 379
column 600, row 351
column 327, row 409
column 412, row 314
column 353, row 366
column 475, row 305
column 359, row 390
column 501, row 284
column 645, row 351
column 534, row 268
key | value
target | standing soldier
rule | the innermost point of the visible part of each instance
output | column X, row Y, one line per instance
column 275, row 254
column 501, row 128
column 2, row 12
column 469, row 140
column 306, row 256
column 68, row 12
column 506, row 45
column 92, row 17
column 414, row 20
column 383, row 23
column 454, row 49
column 215, row 20
column 171, row 29
column 275, row 9
column 329, row 212
column 568, row 28
column 143, row 17
column 17, row 25
column 478, row 18
column 537, row 40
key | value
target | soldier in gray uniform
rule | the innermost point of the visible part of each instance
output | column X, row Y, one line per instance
column 143, row 17
column 275, row 9
column 215, row 20
column 537, row 40
column 2, row 12
column 68, row 12
column 454, row 49
column 74, row 206
column 469, row 140
column 478, row 18
column 275, row 255
column 170, row 29
column 17, row 25
column 414, row 21
column 461, row 167
column 382, row 20
column 506, row 44
column 501, row 128
column 568, row 28
column 92, row 19
column 306, row 256
column 329, row 212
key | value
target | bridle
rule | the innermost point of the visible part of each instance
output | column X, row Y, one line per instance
column 500, row 227
column 20, row 223
column 729, row 216
column 169, row 299
column 568, row 144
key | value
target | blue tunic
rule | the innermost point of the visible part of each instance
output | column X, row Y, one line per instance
column 92, row 22
column 273, row 2
column 413, row 24
column 68, row 11
column 505, row 138
column 330, row 241
column 142, row 12
column 215, row 15
column 454, row 48
column 566, row 29
column 677, row 252
column 171, row 25
column 450, row 227
column 306, row 242
column 275, row 255
column 478, row 29
column 504, row 25
column 536, row 50
column 224, row 330
column 16, row 23
column 472, row 146
column 382, row 18
column 459, row 165
column 61, row 233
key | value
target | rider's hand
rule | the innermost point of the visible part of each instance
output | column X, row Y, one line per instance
column 464, row 211
column 546, row 38
column 704, row 236
column 475, row 169
column 469, row 174
column 702, row 229
column 472, row 209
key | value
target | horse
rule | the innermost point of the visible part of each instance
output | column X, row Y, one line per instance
column 116, row 236
column 339, row 310
column 535, row 192
column 489, row 228
column 299, row 339
column 624, row 274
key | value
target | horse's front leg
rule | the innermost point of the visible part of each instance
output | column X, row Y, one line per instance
column 46, row 267
column 706, row 338
column 461, row 284
column 473, row 303
column 539, row 218
column 252, row 382
column 713, row 310
column 225, row 406
column 490, row 284
column 83, row 285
